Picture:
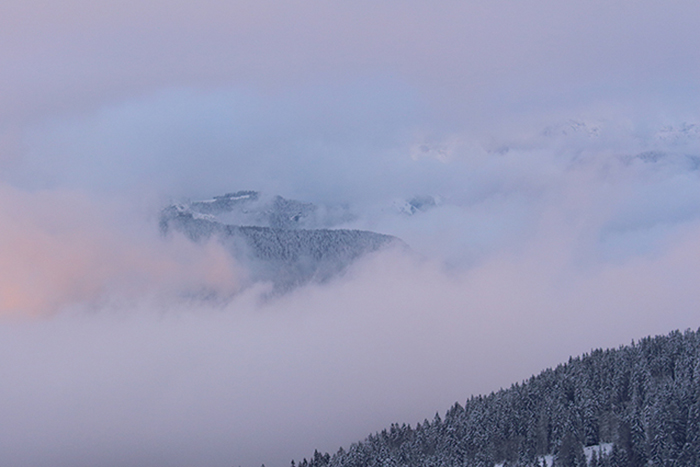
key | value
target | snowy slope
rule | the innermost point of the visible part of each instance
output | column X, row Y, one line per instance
column 271, row 236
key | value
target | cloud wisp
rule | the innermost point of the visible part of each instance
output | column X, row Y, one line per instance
column 64, row 248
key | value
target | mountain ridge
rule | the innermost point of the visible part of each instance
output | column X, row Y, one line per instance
column 280, row 248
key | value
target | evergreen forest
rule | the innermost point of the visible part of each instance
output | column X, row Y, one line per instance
column 642, row 401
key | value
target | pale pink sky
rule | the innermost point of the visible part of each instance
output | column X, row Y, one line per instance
column 64, row 55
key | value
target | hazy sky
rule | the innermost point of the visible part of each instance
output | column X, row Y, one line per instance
column 562, row 140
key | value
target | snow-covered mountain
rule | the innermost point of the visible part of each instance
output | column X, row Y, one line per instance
column 278, row 239
column 255, row 208
column 416, row 204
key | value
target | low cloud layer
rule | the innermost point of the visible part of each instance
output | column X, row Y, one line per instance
column 397, row 339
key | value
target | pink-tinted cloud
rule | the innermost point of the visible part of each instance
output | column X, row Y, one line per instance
column 62, row 248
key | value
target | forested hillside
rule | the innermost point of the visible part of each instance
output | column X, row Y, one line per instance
column 278, row 250
column 644, row 398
